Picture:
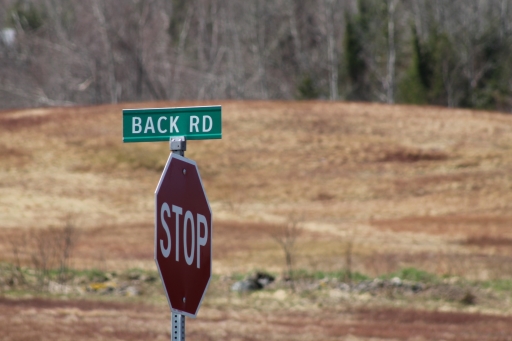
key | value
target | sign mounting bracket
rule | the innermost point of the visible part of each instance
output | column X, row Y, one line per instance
column 178, row 145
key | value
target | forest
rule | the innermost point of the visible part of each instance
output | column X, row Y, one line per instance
column 454, row 53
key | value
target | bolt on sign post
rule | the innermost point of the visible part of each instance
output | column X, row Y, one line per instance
column 183, row 216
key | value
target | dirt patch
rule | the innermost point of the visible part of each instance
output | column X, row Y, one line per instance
column 79, row 320
column 13, row 158
column 403, row 324
column 488, row 241
column 413, row 156
column 23, row 122
column 43, row 303
column 40, row 319
column 453, row 225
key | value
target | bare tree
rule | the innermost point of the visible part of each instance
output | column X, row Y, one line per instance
column 332, row 55
column 286, row 236
column 294, row 31
column 66, row 242
column 18, row 249
column 260, row 46
column 51, row 249
column 74, row 52
column 180, row 53
column 43, row 255
column 98, row 9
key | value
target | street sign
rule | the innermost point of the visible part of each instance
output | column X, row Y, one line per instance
column 160, row 124
column 183, row 235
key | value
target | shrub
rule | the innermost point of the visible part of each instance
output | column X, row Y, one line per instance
column 307, row 89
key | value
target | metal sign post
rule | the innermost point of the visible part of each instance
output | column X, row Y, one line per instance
column 178, row 327
column 178, row 145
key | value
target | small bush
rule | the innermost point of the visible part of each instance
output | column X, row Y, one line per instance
column 468, row 298
column 49, row 250
column 96, row 275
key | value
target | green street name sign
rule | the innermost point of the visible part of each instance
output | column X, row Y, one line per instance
column 149, row 125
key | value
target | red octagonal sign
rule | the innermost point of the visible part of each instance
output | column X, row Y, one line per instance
column 183, row 235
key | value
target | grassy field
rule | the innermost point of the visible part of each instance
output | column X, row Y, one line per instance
column 374, row 188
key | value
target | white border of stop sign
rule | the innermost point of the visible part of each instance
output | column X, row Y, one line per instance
column 185, row 222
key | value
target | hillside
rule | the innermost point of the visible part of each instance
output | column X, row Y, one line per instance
column 376, row 188
column 401, row 178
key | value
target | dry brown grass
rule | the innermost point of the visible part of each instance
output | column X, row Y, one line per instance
column 43, row 319
column 435, row 174
column 406, row 186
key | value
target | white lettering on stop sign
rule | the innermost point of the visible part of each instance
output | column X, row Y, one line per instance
column 189, row 226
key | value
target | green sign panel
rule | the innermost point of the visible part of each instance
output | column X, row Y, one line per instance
column 149, row 125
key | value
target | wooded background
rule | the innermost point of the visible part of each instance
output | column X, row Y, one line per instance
column 453, row 53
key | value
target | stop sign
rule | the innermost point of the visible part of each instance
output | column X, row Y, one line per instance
column 183, row 235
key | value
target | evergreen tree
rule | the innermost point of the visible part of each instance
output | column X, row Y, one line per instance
column 489, row 89
column 432, row 71
column 356, row 30
column 26, row 15
column 307, row 89
column 414, row 87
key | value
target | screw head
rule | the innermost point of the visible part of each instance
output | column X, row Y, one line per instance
column 184, row 299
column 184, row 171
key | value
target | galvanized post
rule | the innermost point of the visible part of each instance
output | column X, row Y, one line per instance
column 178, row 327
column 178, row 145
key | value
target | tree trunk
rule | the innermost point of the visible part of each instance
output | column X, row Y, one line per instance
column 331, row 50
column 297, row 43
column 180, row 54
column 100, row 16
